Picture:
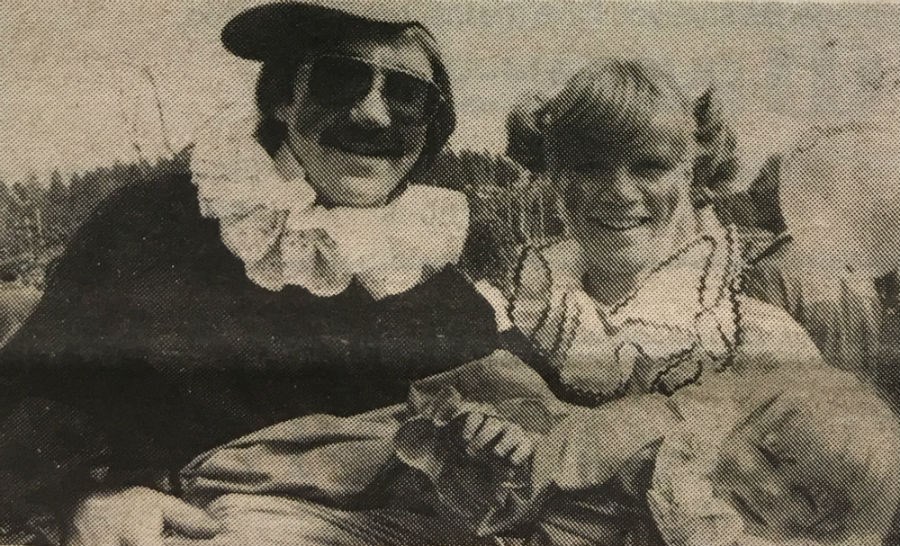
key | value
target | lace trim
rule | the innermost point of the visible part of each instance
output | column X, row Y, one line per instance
column 682, row 352
column 269, row 218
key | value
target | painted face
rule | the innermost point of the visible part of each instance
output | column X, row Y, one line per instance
column 629, row 211
column 350, row 124
column 778, row 472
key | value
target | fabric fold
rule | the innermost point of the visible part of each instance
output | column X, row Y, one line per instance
column 485, row 495
column 344, row 462
column 679, row 321
column 317, row 457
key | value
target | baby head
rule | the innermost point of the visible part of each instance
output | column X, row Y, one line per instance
column 817, row 460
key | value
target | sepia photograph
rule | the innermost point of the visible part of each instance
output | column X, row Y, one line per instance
column 449, row 273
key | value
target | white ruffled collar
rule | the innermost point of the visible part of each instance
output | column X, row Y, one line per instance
column 650, row 339
column 269, row 218
column 681, row 498
column 691, row 280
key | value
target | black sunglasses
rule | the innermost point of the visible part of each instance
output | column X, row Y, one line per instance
column 339, row 81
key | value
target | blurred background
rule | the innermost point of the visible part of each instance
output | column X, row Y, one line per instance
column 100, row 93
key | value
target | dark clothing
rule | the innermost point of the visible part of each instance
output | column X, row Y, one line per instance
column 151, row 346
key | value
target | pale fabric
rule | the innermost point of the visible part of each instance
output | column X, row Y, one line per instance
column 257, row 520
column 681, row 498
column 306, row 481
column 681, row 318
column 333, row 467
column 269, row 219
column 320, row 472
column 486, row 497
column 320, row 457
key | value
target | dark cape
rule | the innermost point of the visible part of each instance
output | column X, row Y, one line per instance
column 151, row 345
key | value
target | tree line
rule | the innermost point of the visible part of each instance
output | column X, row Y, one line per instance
column 38, row 219
column 509, row 208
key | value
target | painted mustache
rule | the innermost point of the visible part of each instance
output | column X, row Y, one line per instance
column 374, row 142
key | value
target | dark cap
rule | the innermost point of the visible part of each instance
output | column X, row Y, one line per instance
column 288, row 28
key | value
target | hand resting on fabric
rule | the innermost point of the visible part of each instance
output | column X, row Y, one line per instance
column 136, row 517
column 486, row 436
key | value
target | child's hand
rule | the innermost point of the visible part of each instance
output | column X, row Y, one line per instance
column 483, row 435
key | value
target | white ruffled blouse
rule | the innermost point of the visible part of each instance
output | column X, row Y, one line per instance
column 679, row 322
column 269, row 218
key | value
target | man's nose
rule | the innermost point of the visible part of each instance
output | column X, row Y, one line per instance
column 371, row 110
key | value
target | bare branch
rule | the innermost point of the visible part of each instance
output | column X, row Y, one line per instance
column 159, row 109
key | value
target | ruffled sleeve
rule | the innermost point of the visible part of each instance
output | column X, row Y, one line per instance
column 485, row 496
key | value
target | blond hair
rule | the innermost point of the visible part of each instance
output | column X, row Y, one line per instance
column 618, row 105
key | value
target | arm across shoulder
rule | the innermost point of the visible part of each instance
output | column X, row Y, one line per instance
column 769, row 338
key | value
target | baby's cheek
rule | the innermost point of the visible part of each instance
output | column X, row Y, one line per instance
column 737, row 464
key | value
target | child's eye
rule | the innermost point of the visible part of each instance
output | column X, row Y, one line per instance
column 769, row 455
column 808, row 496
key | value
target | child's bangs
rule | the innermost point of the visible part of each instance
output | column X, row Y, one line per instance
column 623, row 107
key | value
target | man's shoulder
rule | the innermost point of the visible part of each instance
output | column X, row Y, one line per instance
column 130, row 226
column 147, row 201
column 446, row 291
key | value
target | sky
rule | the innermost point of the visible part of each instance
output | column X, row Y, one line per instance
column 80, row 80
